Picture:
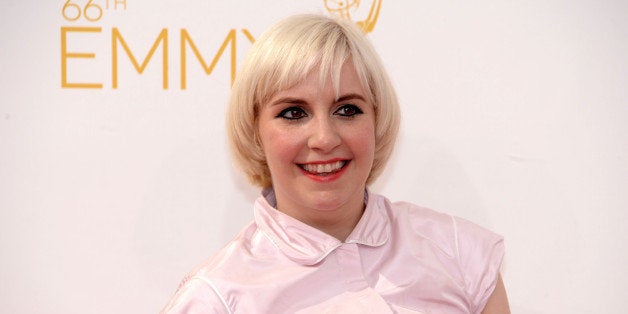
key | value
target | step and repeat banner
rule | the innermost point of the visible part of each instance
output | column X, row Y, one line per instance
column 116, row 179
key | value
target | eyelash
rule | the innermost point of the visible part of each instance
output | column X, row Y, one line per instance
column 292, row 110
column 300, row 111
column 356, row 110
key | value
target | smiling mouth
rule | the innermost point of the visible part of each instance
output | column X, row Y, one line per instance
column 324, row 169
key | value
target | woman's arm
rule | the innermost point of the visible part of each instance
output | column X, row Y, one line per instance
column 498, row 301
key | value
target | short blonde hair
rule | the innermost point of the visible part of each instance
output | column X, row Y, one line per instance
column 281, row 58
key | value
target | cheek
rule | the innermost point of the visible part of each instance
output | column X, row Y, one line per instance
column 279, row 146
column 362, row 142
column 370, row 137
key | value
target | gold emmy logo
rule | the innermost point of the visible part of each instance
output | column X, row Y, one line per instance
column 349, row 8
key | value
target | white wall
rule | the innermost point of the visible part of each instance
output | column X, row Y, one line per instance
column 515, row 116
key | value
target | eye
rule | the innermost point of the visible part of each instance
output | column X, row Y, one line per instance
column 292, row 113
column 348, row 110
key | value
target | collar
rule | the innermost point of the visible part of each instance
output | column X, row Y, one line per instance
column 307, row 245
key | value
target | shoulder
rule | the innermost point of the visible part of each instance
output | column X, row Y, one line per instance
column 196, row 295
column 471, row 251
column 414, row 223
column 444, row 230
column 204, row 290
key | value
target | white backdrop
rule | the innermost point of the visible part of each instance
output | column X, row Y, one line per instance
column 515, row 116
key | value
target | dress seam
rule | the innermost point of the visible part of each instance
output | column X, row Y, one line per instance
column 211, row 285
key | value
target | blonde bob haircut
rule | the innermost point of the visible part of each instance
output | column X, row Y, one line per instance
column 281, row 58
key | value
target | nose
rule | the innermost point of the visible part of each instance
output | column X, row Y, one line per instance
column 324, row 135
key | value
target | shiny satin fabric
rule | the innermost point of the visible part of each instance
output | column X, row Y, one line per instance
column 400, row 258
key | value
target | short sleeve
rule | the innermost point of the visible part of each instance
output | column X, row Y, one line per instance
column 480, row 254
column 196, row 296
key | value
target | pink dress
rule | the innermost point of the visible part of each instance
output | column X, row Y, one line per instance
column 400, row 258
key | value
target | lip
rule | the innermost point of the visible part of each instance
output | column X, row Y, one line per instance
column 328, row 177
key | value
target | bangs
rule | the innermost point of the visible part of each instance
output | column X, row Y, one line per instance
column 287, row 61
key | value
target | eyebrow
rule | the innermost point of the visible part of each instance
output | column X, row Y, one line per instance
column 299, row 101
column 288, row 100
column 350, row 96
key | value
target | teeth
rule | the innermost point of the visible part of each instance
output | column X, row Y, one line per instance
column 324, row 168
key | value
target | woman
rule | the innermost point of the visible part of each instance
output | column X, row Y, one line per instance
column 312, row 120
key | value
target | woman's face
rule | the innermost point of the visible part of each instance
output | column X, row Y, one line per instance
column 319, row 147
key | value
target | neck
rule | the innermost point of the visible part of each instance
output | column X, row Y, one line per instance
column 338, row 220
column 342, row 228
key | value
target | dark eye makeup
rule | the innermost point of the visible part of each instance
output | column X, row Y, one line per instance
column 348, row 110
column 292, row 113
column 296, row 113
